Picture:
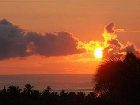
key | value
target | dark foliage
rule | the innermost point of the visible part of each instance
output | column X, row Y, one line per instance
column 118, row 82
column 13, row 95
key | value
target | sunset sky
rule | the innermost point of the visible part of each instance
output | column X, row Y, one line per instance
column 83, row 19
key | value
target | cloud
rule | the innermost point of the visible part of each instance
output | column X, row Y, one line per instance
column 130, row 47
column 15, row 42
column 113, row 47
column 12, row 41
column 53, row 44
column 110, row 28
column 114, row 42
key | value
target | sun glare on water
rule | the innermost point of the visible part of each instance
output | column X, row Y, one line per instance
column 98, row 53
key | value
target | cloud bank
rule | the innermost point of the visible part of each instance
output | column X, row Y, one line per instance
column 15, row 42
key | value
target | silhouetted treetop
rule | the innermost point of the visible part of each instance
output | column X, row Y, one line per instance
column 119, row 80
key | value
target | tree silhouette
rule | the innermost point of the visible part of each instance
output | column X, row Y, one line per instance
column 119, row 81
column 13, row 90
column 47, row 91
column 28, row 89
column 3, row 91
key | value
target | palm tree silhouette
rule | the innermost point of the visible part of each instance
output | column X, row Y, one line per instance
column 28, row 89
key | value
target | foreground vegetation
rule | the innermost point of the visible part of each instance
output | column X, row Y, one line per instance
column 117, row 83
column 13, row 95
column 118, row 80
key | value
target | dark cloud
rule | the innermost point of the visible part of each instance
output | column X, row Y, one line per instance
column 110, row 28
column 53, row 44
column 14, row 42
column 114, row 42
column 131, row 48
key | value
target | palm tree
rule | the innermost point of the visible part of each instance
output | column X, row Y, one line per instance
column 28, row 89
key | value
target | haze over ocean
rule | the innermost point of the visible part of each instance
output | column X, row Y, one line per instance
column 68, row 82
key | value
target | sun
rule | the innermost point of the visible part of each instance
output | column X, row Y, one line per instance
column 98, row 53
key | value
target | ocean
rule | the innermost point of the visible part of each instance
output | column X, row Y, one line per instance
column 57, row 82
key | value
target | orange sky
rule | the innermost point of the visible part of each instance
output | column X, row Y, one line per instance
column 84, row 18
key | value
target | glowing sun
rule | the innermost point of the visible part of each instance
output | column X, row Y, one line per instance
column 98, row 53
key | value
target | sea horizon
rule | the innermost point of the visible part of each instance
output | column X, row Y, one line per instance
column 58, row 82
